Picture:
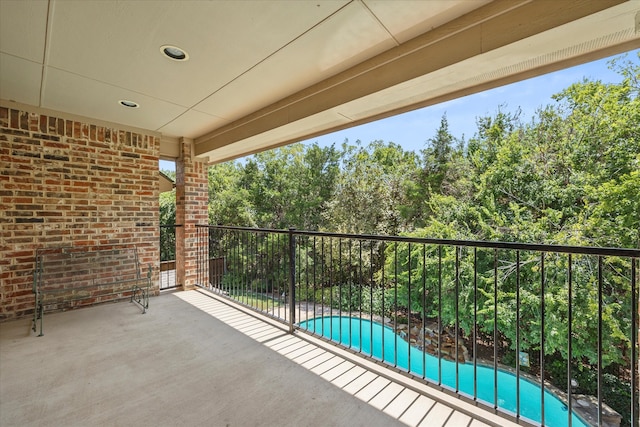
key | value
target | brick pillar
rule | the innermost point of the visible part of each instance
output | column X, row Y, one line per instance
column 192, row 197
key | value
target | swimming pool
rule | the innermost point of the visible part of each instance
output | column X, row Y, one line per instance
column 360, row 334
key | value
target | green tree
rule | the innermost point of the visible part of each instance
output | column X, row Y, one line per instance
column 569, row 176
column 168, row 203
column 229, row 202
column 437, row 156
column 289, row 186
column 371, row 193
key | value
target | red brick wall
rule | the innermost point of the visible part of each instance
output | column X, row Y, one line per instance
column 192, row 201
column 65, row 182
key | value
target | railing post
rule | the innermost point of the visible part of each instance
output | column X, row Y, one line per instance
column 292, row 279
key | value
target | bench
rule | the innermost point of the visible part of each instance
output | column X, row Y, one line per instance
column 70, row 277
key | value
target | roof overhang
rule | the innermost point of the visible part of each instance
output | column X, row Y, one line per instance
column 262, row 74
column 166, row 183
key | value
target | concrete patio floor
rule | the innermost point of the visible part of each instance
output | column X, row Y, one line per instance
column 196, row 360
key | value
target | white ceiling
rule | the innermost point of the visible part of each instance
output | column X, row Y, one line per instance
column 263, row 73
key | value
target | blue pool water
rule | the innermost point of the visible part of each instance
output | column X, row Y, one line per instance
column 359, row 334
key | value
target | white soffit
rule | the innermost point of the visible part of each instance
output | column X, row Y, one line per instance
column 81, row 57
column 344, row 40
column 223, row 38
column 22, row 52
column 405, row 19
column 264, row 72
column 274, row 137
column 617, row 25
column 98, row 99
column 572, row 40
column 23, row 25
column 26, row 89
column 192, row 124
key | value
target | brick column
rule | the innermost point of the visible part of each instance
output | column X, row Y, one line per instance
column 192, row 197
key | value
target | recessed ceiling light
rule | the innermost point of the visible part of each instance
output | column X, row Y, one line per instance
column 129, row 104
column 174, row 52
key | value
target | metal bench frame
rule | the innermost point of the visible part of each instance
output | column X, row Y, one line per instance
column 70, row 275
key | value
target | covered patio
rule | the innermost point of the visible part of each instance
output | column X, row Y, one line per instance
column 94, row 94
column 195, row 359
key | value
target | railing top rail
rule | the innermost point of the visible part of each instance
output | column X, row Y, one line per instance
column 252, row 229
column 534, row 247
column 170, row 225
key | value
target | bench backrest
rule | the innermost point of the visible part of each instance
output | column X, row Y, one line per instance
column 95, row 273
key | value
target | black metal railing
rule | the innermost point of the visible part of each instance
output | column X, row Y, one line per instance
column 168, row 257
column 539, row 333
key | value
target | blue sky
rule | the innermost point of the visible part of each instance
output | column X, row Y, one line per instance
column 412, row 130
